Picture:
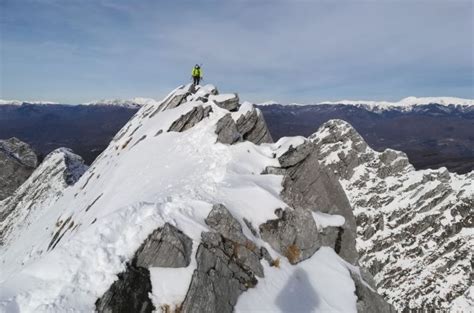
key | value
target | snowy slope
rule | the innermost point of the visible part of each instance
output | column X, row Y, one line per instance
column 415, row 231
column 83, row 235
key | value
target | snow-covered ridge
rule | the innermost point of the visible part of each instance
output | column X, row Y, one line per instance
column 405, row 104
column 206, row 181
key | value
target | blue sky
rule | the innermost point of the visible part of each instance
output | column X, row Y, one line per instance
column 73, row 51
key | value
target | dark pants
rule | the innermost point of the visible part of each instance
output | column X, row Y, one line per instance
column 196, row 80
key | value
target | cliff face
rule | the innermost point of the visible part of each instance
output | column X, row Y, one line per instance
column 17, row 161
column 414, row 228
column 190, row 208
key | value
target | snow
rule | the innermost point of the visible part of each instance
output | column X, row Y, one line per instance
column 222, row 97
column 319, row 284
column 139, row 183
column 284, row 143
column 465, row 303
column 325, row 220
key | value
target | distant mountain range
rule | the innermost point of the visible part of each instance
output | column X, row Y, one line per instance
column 406, row 104
column 134, row 103
column 434, row 132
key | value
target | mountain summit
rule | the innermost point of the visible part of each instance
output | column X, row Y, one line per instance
column 190, row 208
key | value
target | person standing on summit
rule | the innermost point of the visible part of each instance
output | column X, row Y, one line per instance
column 196, row 74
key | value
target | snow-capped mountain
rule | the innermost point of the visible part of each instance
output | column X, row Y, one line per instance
column 134, row 103
column 191, row 208
column 406, row 104
column 18, row 102
column 414, row 228
column 131, row 103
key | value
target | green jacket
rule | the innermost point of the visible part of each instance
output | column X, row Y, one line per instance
column 197, row 72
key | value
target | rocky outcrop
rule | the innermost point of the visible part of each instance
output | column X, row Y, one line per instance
column 226, row 130
column 249, row 127
column 309, row 186
column 221, row 221
column 190, row 119
column 175, row 98
column 17, row 162
column 253, row 128
column 129, row 293
column 412, row 226
column 228, row 264
column 229, row 102
column 219, row 279
column 165, row 247
column 295, row 234
column 368, row 301
column 60, row 169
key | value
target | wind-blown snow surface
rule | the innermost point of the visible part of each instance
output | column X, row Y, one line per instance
column 146, row 177
column 415, row 228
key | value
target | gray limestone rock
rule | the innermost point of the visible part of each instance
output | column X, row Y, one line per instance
column 17, row 162
column 243, row 250
column 190, row 119
column 165, row 247
column 294, row 156
column 253, row 128
column 220, row 277
column 220, row 220
column 129, row 293
column 295, row 235
column 369, row 301
column 176, row 99
column 228, row 102
column 226, row 130
column 309, row 186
